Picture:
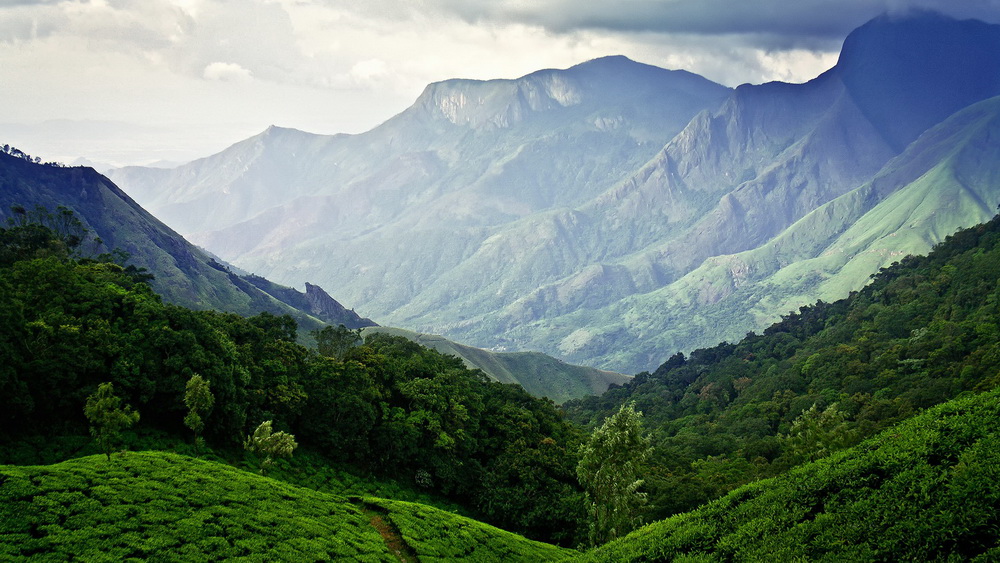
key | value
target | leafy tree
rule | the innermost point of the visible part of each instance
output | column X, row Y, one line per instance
column 107, row 418
column 609, row 469
column 335, row 342
column 272, row 444
column 816, row 434
column 199, row 400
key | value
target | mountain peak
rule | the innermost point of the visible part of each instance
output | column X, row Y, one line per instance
column 274, row 130
column 908, row 71
column 608, row 61
column 598, row 83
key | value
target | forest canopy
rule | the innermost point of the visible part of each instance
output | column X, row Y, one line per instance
column 387, row 405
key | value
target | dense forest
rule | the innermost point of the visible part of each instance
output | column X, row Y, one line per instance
column 388, row 406
column 791, row 402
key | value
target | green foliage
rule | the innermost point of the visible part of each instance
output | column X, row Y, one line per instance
column 815, row 434
column 388, row 406
column 924, row 490
column 822, row 379
column 438, row 536
column 199, row 400
column 272, row 444
column 610, row 465
column 170, row 507
column 107, row 418
column 335, row 342
column 154, row 505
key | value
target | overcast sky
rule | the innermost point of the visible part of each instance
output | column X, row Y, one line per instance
column 133, row 81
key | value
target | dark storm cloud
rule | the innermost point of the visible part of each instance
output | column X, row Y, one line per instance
column 783, row 22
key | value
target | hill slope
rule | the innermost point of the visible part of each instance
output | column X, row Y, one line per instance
column 185, row 275
column 946, row 180
column 540, row 375
column 154, row 504
column 923, row 331
column 925, row 490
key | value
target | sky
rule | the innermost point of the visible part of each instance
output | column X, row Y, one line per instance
column 143, row 81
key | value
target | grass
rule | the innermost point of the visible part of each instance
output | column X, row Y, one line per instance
column 172, row 507
column 925, row 490
column 438, row 536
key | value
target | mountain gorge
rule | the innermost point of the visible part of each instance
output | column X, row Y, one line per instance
column 613, row 213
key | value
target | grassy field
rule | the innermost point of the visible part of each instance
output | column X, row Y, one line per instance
column 167, row 506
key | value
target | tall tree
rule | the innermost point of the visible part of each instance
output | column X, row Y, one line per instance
column 107, row 418
column 610, row 465
column 272, row 444
column 335, row 342
column 199, row 400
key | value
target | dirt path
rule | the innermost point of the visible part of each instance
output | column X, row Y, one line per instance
column 380, row 520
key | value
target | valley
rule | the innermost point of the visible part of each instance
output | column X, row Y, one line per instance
column 611, row 312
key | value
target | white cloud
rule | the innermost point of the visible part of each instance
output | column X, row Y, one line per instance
column 227, row 72
column 234, row 66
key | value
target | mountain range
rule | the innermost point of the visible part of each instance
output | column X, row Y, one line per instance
column 614, row 212
column 188, row 276
column 182, row 273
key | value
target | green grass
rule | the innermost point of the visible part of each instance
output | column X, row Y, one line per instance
column 172, row 507
column 925, row 490
column 441, row 536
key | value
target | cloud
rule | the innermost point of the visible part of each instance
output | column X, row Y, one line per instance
column 344, row 66
column 14, row 3
column 227, row 72
column 776, row 23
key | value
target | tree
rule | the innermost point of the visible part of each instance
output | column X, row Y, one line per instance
column 816, row 434
column 335, row 342
column 107, row 418
column 610, row 465
column 271, row 444
column 199, row 400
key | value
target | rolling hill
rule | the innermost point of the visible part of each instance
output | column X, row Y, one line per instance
column 167, row 506
column 924, row 490
column 539, row 374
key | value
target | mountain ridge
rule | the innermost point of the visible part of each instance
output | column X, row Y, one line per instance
column 507, row 212
column 183, row 273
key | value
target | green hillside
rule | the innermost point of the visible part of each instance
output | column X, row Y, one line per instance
column 925, row 490
column 184, row 274
column 761, row 444
column 170, row 507
column 946, row 180
column 924, row 331
column 539, row 374
column 387, row 407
